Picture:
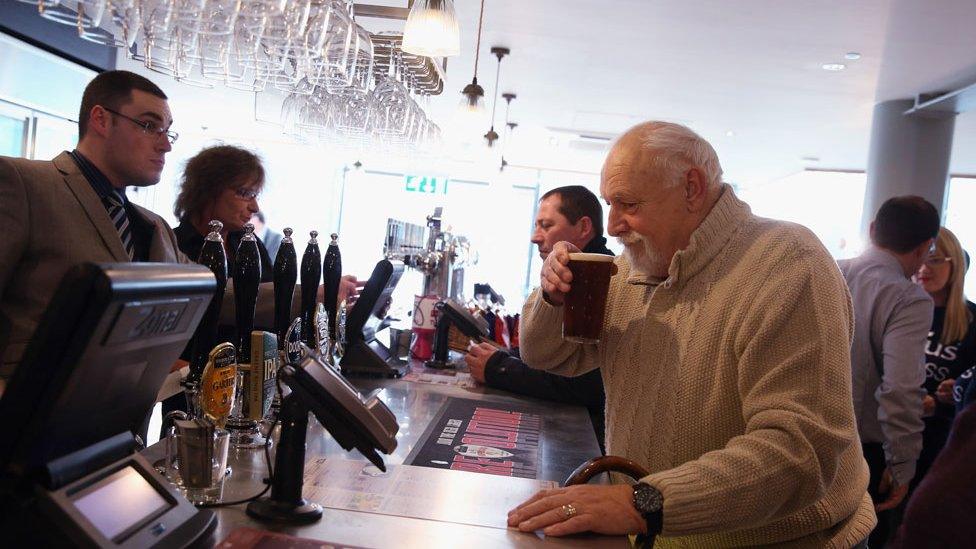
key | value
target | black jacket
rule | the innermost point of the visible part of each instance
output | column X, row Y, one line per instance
column 509, row 373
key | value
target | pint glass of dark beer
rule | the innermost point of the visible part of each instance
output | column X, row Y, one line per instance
column 586, row 301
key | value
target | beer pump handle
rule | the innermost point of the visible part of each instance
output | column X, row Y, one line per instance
column 332, row 275
column 311, row 273
column 247, row 277
column 285, row 276
column 213, row 257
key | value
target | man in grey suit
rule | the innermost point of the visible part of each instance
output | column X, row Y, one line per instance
column 58, row 213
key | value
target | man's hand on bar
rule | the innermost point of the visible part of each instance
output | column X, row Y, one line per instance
column 584, row 508
column 477, row 359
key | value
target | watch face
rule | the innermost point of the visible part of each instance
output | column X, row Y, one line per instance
column 647, row 499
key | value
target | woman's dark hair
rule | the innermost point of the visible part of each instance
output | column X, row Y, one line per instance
column 212, row 170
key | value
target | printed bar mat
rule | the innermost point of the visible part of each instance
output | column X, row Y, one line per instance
column 481, row 437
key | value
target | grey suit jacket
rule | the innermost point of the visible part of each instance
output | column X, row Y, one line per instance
column 51, row 220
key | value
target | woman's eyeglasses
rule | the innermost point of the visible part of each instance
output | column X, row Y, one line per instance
column 246, row 194
column 934, row 260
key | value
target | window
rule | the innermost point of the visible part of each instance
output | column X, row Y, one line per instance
column 960, row 220
column 828, row 203
column 495, row 218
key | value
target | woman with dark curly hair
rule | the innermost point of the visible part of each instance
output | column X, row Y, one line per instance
column 221, row 182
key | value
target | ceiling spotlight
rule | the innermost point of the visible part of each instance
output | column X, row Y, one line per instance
column 432, row 29
column 852, row 56
column 730, row 133
column 833, row 67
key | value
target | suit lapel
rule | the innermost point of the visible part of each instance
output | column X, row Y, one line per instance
column 90, row 203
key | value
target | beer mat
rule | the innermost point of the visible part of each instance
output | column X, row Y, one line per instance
column 249, row 538
column 433, row 376
column 481, row 437
column 417, row 492
column 460, row 379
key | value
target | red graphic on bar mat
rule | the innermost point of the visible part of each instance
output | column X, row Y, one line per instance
column 481, row 437
column 249, row 538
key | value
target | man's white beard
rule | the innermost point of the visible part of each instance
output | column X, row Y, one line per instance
column 644, row 259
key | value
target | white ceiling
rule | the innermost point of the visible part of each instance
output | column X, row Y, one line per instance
column 751, row 67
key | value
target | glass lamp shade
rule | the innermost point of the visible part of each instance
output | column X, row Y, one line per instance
column 470, row 116
column 432, row 29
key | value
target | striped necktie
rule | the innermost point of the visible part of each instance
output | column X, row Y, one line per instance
column 116, row 210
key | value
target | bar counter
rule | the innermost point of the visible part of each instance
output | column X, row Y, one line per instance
column 566, row 441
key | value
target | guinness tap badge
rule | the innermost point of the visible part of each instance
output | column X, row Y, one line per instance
column 219, row 383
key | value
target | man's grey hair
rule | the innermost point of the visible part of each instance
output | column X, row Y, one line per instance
column 674, row 149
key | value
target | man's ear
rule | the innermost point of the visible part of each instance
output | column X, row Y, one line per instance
column 696, row 189
column 98, row 121
column 585, row 226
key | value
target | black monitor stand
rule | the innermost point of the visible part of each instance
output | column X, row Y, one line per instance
column 363, row 423
column 451, row 313
column 286, row 503
column 371, row 358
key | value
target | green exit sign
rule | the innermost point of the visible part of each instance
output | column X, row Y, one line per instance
column 424, row 184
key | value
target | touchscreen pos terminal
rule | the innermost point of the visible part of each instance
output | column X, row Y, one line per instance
column 89, row 378
column 364, row 354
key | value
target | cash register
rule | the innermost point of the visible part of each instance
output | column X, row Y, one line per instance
column 70, row 472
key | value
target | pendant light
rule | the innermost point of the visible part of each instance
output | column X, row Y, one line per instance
column 472, row 105
column 499, row 52
column 511, row 128
column 432, row 29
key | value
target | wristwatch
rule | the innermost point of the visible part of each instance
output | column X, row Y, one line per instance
column 650, row 504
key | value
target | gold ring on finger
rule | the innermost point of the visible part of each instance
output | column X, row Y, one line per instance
column 569, row 511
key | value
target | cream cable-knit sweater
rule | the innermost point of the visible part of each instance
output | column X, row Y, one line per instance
column 731, row 382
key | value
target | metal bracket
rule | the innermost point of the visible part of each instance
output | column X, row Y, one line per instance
column 383, row 12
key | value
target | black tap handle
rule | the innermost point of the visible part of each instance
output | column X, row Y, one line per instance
column 247, row 278
column 311, row 273
column 285, row 275
column 212, row 256
column 332, row 275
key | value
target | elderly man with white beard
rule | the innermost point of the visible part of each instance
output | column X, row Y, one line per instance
column 726, row 360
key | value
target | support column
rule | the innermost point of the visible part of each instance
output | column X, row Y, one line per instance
column 909, row 154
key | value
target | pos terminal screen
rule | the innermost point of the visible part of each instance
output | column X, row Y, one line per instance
column 119, row 502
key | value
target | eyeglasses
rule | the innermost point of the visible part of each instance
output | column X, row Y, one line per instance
column 246, row 194
column 934, row 260
column 148, row 126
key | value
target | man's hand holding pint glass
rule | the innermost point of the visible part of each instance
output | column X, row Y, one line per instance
column 579, row 282
column 556, row 275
